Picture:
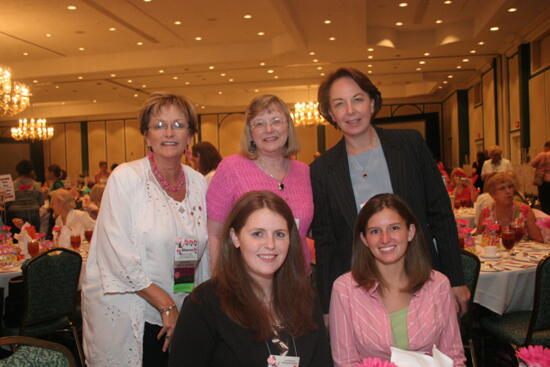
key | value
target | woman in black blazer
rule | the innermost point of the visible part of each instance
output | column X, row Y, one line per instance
column 368, row 161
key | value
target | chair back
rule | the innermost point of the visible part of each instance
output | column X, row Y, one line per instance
column 51, row 284
column 470, row 266
column 32, row 352
column 540, row 317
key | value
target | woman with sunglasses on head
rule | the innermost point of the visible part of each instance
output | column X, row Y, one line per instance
column 148, row 244
column 259, row 307
column 391, row 297
column 265, row 162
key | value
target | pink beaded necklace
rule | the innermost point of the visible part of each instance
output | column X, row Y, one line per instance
column 160, row 178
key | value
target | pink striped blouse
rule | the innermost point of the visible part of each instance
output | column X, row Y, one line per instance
column 360, row 323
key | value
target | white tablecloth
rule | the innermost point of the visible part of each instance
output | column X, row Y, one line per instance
column 508, row 284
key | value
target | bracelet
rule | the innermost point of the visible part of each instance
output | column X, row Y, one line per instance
column 167, row 310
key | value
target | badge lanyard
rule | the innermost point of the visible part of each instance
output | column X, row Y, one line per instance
column 283, row 360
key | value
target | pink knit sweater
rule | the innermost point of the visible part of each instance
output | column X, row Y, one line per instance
column 237, row 175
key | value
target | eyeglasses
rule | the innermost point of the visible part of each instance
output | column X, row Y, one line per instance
column 162, row 125
column 260, row 125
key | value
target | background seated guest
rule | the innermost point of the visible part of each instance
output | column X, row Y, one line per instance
column 54, row 178
column 103, row 174
column 205, row 158
column 259, row 306
column 481, row 157
column 92, row 202
column 464, row 190
column 265, row 162
column 541, row 163
column 495, row 164
column 391, row 297
column 70, row 220
column 506, row 211
column 28, row 197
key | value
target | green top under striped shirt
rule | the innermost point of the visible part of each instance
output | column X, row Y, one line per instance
column 398, row 322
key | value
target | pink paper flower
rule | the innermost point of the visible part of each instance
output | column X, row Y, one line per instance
column 375, row 362
column 462, row 222
column 56, row 228
column 544, row 222
column 465, row 230
column 534, row 356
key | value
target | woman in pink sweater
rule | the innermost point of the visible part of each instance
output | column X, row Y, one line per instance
column 264, row 163
column 391, row 297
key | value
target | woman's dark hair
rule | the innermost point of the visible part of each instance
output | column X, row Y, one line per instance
column 24, row 168
column 417, row 259
column 363, row 81
column 159, row 100
column 482, row 156
column 56, row 170
column 209, row 157
column 547, row 144
column 292, row 292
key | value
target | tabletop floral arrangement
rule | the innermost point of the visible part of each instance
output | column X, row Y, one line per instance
column 375, row 362
column 534, row 356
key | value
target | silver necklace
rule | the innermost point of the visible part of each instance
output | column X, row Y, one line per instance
column 281, row 185
column 362, row 169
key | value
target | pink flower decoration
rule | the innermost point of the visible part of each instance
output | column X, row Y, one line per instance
column 524, row 209
column 544, row 222
column 534, row 356
column 465, row 230
column 56, row 228
column 375, row 362
column 24, row 187
column 6, row 228
column 493, row 227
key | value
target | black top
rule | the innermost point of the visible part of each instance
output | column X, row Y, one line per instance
column 414, row 177
column 205, row 336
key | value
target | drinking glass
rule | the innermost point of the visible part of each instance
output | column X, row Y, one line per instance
column 33, row 247
column 75, row 241
column 508, row 237
column 88, row 234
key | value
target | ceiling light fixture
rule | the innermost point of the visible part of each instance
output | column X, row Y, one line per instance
column 161, row 71
column 402, row 5
column 48, row 35
column 175, row 77
column 262, row 63
column 459, row 67
column 447, row 2
column 32, row 129
column 445, row 82
column 276, row 77
column 370, row 57
column 270, row 71
column 315, row 60
column 198, row 38
column 130, row 81
column 370, row 49
column 211, row 67
column 332, row 38
column 399, row 24
column 481, row 43
column 473, row 51
column 311, row 53
column 426, row 54
column 113, row 75
column 81, row 49
column 177, row 22
column 25, row 54
column 439, row 21
column 14, row 96
column 369, row 72
column 307, row 114
column 112, row 29
column 327, row 21
column 71, row 7
column 465, row 60
column 450, row 76
column 418, row 69
column 512, row 10
column 261, row 33
column 369, row 65
column 223, row 74
column 139, row 43
column 80, row 77
column 422, row 62
column 247, row 16
column 231, row 80
column 494, row 29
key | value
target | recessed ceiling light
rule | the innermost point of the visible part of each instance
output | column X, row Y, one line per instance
column 161, row 71
column 261, row 33
column 459, row 67
column 311, row 53
column 81, row 49
column 139, row 43
column 369, row 72
column 57, row 87
column 175, row 78
column 231, row 80
column 94, row 101
column 143, row 86
column 370, row 49
column 327, row 21
column 422, row 62
column 447, row 2
column 445, row 82
column 187, row 83
column 198, row 38
column 71, row 7
column 465, row 60
column 112, row 29
column 256, row 90
column 426, row 54
column 35, row 81
column 319, row 68
column 494, row 29
column 322, row 74
column 177, row 22
column 247, row 16
column 262, row 63
column 399, row 24
column 369, row 65
column 439, row 21
column 113, row 75
column 147, row 1
column 512, row 10
column 25, row 54
column 276, row 77
column 203, row 107
column 402, row 5
column 270, row 71
column 130, row 81
column 80, row 77
column 223, row 74
column 136, row 95
column 48, row 35
column 450, row 76
column 315, row 60
column 439, row 87
column 473, row 51
column 220, row 92
column 211, row 67
column 332, row 38
column 370, row 57
column 418, row 69
column 481, row 43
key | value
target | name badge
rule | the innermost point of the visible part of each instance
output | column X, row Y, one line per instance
column 283, row 361
column 185, row 261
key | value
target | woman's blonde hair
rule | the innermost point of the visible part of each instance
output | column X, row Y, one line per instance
column 258, row 105
column 64, row 197
column 499, row 178
column 96, row 193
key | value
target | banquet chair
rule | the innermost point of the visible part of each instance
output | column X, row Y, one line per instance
column 470, row 267
column 50, row 295
column 32, row 352
column 526, row 327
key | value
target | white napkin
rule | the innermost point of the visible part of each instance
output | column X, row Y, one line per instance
column 406, row 358
column 22, row 239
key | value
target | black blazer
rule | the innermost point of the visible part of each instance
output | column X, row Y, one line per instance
column 414, row 177
column 205, row 336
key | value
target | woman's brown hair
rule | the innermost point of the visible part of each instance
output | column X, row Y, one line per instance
column 209, row 157
column 363, row 81
column 417, row 259
column 237, row 291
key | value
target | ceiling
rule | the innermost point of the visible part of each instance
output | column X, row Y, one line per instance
column 105, row 56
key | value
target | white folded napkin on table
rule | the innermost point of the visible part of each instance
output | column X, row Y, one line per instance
column 406, row 358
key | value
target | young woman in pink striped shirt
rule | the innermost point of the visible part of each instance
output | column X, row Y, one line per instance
column 391, row 297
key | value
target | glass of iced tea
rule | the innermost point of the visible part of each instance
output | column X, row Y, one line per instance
column 88, row 234
column 508, row 237
column 75, row 242
column 519, row 230
column 33, row 247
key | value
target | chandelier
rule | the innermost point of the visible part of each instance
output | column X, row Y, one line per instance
column 14, row 96
column 32, row 130
column 307, row 114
